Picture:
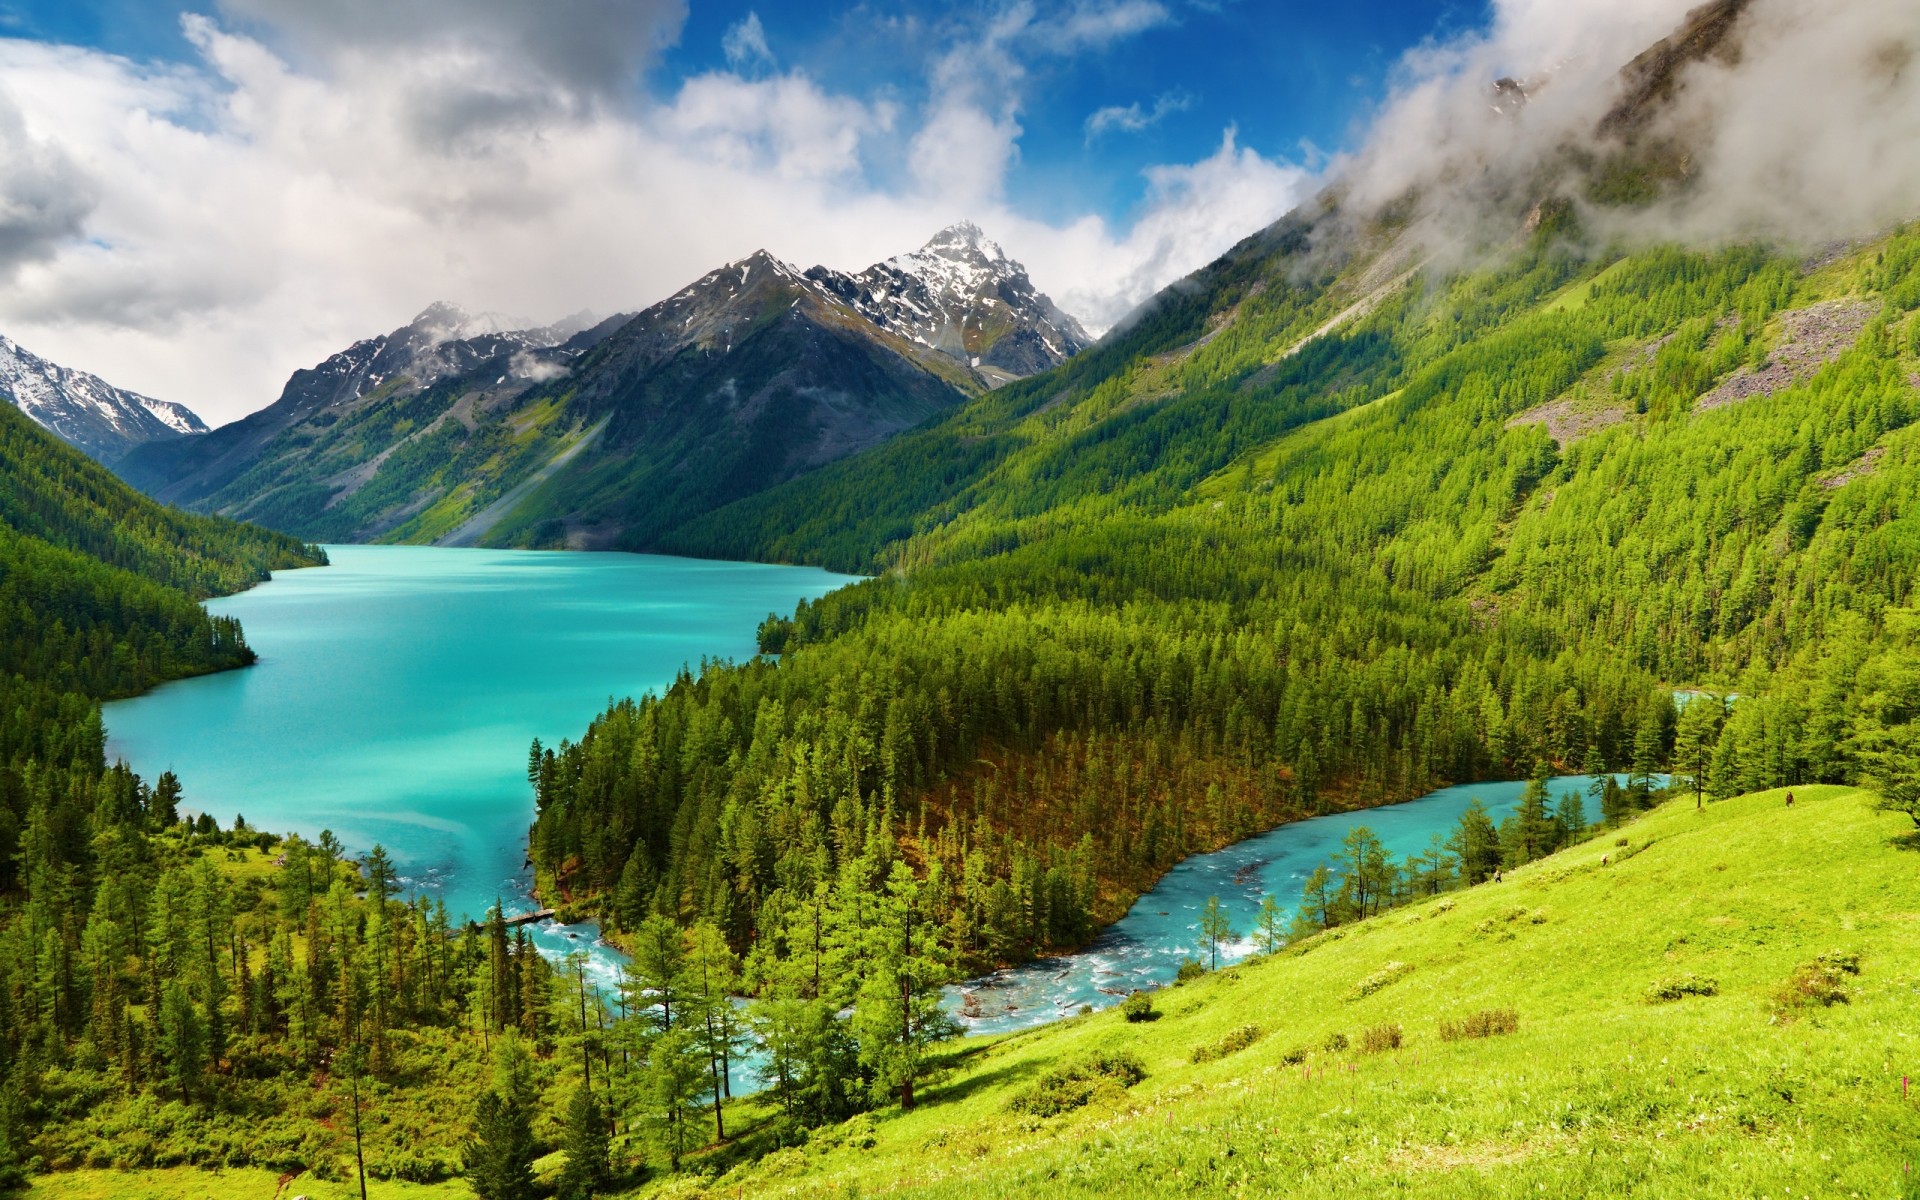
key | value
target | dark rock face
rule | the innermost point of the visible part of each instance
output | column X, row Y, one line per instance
column 1652, row 78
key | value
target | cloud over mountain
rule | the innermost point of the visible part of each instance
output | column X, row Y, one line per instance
column 196, row 229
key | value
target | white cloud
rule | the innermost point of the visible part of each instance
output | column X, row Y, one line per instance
column 745, row 44
column 1192, row 214
column 1132, row 118
column 199, row 231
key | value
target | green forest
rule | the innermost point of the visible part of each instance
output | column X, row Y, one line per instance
column 1639, row 513
column 1216, row 574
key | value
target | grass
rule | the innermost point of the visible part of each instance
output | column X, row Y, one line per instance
column 190, row 1183
column 1595, row 1092
column 1570, row 1083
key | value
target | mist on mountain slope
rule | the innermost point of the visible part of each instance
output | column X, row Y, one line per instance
column 1795, row 121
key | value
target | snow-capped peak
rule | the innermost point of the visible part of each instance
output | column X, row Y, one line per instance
column 85, row 410
column 960, row 294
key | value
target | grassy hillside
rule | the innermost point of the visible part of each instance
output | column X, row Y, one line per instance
column 1786, row 1080
column 1601, row 1091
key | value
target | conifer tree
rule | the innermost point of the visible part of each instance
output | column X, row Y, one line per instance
column 589, row 1166
column 1215, row 927
column 1271, row 929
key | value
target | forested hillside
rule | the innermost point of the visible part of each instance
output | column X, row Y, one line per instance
column 1253, row 560
column 98, row 591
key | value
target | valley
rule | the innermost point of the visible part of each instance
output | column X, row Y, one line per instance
column 1428, row 703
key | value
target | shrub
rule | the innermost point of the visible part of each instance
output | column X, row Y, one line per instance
column 1295, row 1056
column 1679, row 987
column 1189, row 971
column 1067, row 1088
column 1335, row 1043
column 1488, row 1022
column 1233, row 1043
column 1385, row 975
column 1380, row 1038
column 1821, row 983
column 1138, row 1006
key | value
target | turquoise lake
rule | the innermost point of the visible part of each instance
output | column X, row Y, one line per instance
column 398, row 689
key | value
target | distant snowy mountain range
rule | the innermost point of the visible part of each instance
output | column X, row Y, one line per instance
column 463, row 428
column 103, row 420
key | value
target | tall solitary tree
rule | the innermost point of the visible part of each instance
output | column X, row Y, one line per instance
column 1215, row 927
column 1270, row 927
column 1476, row 842
column 1694, row 742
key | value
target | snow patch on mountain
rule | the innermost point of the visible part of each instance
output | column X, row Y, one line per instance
column 84, row 410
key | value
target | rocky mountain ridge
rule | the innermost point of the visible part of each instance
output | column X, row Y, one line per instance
column 86, row 411
column 471, row 427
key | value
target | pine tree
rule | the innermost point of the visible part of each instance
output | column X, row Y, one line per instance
column 1215, row 927
column 499, row 1157
column 897, row 1014
column 589, row 1166
column 1271, row 929
column 163, row 807
column 1694, row 743
column 183, row 1041
column 1476, row 842
column 1318, row 903
column 675, row 1075
column 1646, row 758
column 1536, row 832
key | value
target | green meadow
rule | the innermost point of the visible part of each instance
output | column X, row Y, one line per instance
column 1704, row 1002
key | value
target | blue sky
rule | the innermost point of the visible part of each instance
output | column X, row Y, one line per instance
column 198, row 201
column 1291, row 77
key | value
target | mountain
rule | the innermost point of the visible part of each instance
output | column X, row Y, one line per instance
column 86, row 411
column 1388, row 497
column 357, row 407
column 961, row 295
column 459, row 429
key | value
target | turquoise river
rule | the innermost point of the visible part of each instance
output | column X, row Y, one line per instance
column 398, row 689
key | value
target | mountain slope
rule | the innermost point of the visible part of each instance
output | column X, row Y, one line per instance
column 1597, row 1092
column 611, row 436
column 86, row 411
column 963, row 296
column 304, row 459
column 1339, row 521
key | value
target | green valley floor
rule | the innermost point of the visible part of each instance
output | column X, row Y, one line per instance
column 1788, row 939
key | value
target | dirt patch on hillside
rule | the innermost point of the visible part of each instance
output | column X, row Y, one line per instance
column 1810, row 339
column 1859, row 468
column 1567, row 422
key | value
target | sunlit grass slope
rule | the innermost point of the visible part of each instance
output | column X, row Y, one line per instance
column 1601, row 1091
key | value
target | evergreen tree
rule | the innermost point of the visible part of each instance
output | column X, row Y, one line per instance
column 1646, row 759
column 897, row 1015
column 1269, row 926
column 164, row 805
column 1476, row 842
column 712, row 974
column 1215, row 927
column 675, row 1074
column 1318, row 903
column 1694, row 743
column 1535, row 831
column 589, row 1166
column 183, row 1040
column 499, row 1156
